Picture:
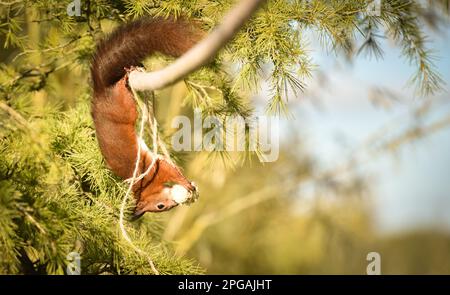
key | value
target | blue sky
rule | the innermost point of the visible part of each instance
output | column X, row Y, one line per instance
column 412, row 187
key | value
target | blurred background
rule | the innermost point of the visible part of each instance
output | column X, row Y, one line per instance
column 364, row 167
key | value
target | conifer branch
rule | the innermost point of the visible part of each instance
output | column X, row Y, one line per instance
column 200, row 54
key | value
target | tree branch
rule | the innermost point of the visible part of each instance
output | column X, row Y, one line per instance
column 200, row 54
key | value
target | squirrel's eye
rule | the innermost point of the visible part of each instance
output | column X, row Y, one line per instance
column 169, row 183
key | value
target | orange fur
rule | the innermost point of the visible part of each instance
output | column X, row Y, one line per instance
column 114, row 109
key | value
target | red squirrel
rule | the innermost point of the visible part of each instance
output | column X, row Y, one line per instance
column 114, row 110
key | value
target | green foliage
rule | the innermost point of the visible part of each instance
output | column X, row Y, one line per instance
column 277, row 32
column 56, row 195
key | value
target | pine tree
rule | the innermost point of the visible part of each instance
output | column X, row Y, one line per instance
column 56, row 194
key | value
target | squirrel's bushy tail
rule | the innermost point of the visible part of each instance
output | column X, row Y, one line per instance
column 130, row 44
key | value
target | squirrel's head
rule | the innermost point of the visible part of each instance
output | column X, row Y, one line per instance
column 163, row 188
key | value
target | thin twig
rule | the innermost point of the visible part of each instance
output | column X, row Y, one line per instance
column 14, row 114
column 31, row 218
column 50, row 48
column 10, row 3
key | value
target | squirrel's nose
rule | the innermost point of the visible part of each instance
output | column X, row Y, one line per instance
column 193, row 187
